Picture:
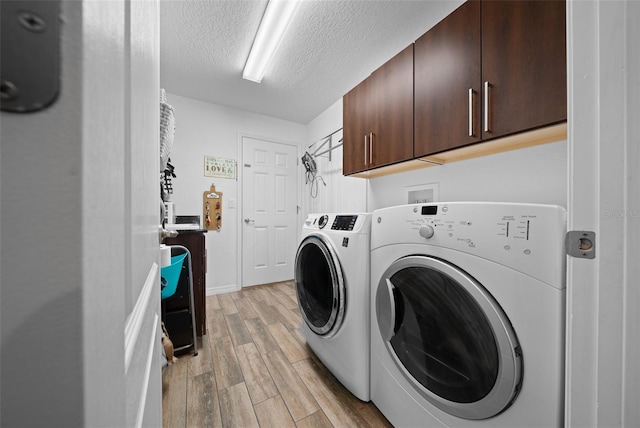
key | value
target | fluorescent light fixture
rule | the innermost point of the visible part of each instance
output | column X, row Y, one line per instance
column 274, row 24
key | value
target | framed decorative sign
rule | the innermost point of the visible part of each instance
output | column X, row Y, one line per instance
column 219, row 167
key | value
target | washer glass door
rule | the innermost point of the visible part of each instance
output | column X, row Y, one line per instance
column 449, row 337
column 319, row 285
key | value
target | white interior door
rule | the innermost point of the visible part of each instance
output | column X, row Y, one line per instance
column 269, row 211
column 80, row 211
column 143, row 372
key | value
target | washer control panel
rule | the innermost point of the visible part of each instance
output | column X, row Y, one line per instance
column 527, row 237
column 426, row 231
column 344, row 222
column 354, row 223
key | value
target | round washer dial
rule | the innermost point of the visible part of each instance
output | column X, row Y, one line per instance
column 322, row 222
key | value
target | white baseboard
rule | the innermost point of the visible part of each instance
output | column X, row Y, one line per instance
column 223, row 289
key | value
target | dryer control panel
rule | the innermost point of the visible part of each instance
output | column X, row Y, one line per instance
column 505, row 223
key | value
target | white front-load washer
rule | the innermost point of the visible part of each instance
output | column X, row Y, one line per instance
column 332, row 286
column 468, row 314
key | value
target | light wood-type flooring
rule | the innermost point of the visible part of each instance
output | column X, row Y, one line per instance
column 254, row 369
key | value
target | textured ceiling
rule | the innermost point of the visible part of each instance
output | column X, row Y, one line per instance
column 330, row 47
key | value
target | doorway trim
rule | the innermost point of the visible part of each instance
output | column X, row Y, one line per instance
column 602, row 297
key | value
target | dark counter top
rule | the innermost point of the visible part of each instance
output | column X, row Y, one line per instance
column 188, row 231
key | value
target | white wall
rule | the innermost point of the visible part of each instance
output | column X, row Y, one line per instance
column 341, row 194
column 204, row 129
column 532, row 175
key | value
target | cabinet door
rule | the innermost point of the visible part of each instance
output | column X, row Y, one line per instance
column 392, row 95
column 524, row 65
column 447, row 83
column 356, row 124
column 378, row 117
column 392, row 92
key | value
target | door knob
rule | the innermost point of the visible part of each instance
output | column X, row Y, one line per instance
column 164, row 233
column 248, row 220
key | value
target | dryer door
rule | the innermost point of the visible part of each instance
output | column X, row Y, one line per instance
column 449, row 337
column 319, row 285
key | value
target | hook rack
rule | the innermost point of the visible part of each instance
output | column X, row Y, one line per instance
column 325, row 140
column 212, row 209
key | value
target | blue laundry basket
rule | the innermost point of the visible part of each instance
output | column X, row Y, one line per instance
column 171, row 274
column 171, row 277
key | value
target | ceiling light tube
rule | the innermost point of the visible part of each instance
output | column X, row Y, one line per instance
column 274, row 24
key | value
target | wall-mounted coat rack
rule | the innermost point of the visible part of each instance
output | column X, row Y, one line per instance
column 212, row 209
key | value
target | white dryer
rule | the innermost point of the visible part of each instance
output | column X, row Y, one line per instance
column 468, row 314
column 332, row 285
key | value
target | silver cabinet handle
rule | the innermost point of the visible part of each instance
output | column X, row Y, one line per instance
column 365, row 150
column 470, row 112
column 371, row 148
column 486, row 106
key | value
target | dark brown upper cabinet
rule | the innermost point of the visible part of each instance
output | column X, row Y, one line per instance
column 488, row 70
column 358, row 117
column 447, row 82
column 378, row 117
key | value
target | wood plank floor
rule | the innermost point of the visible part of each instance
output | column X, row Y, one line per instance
column 254, row 369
